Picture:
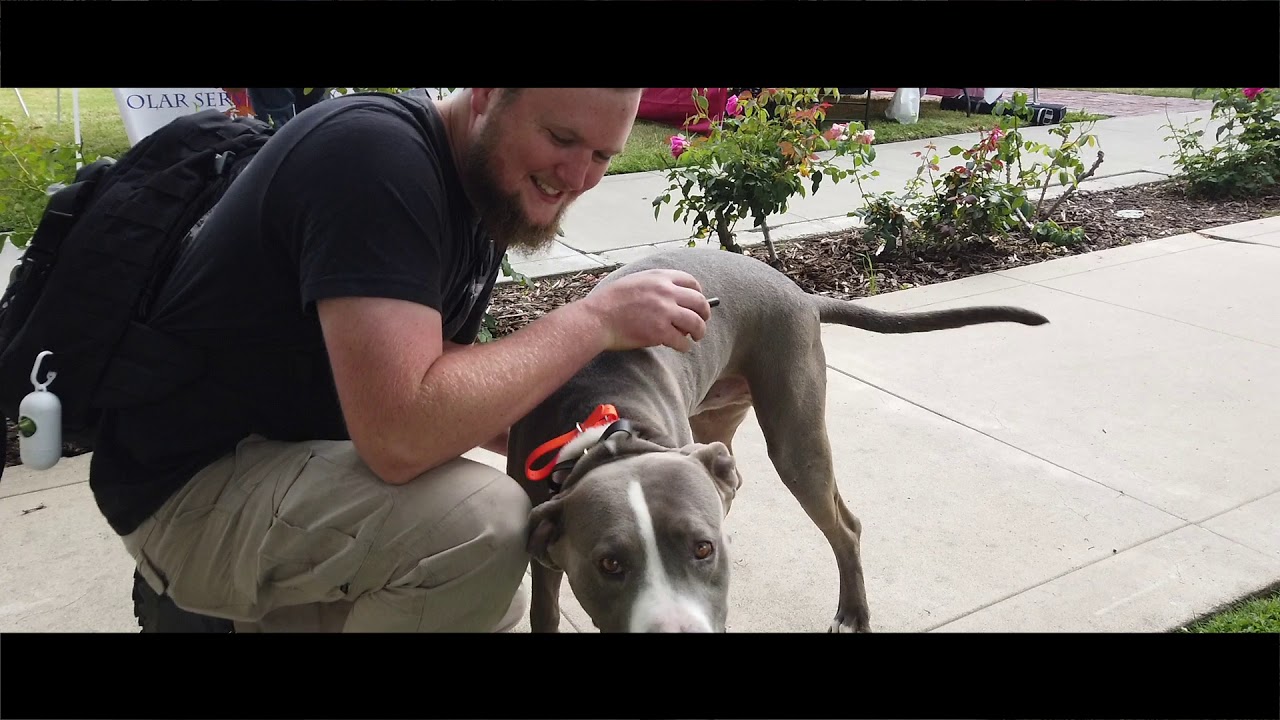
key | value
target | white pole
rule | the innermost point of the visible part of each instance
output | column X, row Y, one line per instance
column 75, row 110
column 22, row 102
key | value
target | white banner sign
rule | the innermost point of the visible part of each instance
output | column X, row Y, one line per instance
column 145, row 110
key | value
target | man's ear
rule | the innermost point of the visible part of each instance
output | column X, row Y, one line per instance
column 481, row 100
column 544, row 530
column 722, row 468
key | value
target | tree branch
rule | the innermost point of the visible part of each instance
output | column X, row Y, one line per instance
column 1073, row 188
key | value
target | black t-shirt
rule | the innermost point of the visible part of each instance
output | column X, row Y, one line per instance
column 357, row 196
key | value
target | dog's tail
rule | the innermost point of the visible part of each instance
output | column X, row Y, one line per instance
column 843, row 312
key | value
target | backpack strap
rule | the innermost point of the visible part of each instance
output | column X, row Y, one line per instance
column 60, row 215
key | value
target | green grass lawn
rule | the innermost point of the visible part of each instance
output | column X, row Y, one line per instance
column 1259, row 615
column 101, row 128
column 101, row 131
column 1153, row 92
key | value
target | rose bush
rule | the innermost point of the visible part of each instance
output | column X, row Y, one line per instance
column 757, row 157
column 1245, row 157
column 990, row 194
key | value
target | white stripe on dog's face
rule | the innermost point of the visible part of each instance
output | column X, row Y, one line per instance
column 658, row 606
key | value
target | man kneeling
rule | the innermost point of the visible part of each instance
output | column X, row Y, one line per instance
column 312, row 478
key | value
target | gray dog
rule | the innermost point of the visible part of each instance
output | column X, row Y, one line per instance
column 629, row 465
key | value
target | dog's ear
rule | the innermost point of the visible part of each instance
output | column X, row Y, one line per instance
column 722, row 468
column 544, row 530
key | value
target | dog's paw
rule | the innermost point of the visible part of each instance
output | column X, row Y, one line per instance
column 849, row 625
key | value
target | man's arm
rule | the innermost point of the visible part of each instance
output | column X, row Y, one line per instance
column 410, row 406
column 498, row 444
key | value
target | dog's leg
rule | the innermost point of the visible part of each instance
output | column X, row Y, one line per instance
column 720, row 424
column 544, row 600
column 790, row 401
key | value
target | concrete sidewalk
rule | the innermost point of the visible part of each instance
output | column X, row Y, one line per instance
column 1114, row 470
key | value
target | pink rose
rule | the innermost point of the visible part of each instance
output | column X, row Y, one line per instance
column 837, row 131
column 678, row 145
column 866, row 137
column 1252, row 93
column 731, row 106
column 992, row 142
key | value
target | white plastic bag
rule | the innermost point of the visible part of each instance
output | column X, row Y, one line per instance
column 905, row 106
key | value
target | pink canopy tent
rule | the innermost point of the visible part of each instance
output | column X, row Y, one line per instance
column 674, row 107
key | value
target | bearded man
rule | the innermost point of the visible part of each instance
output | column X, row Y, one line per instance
column 312, row 479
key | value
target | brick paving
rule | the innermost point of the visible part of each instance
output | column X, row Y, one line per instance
column 1110, row 104
column 1117, row 104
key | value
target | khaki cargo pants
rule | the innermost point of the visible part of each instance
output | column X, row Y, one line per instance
column 303, row 537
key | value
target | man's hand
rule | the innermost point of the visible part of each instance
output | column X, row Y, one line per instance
column 649, row 308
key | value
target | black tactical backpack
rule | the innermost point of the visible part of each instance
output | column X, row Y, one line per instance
column 83, row 287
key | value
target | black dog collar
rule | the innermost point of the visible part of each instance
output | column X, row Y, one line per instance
column 617, row 426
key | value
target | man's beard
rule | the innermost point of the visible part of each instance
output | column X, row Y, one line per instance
column 502, row 213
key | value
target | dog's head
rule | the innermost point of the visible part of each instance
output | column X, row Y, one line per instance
column 637, row 530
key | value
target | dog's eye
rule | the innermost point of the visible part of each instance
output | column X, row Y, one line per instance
column 703, row 550
column 610, row 565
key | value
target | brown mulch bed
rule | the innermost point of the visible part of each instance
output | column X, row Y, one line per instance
column 835, row 264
